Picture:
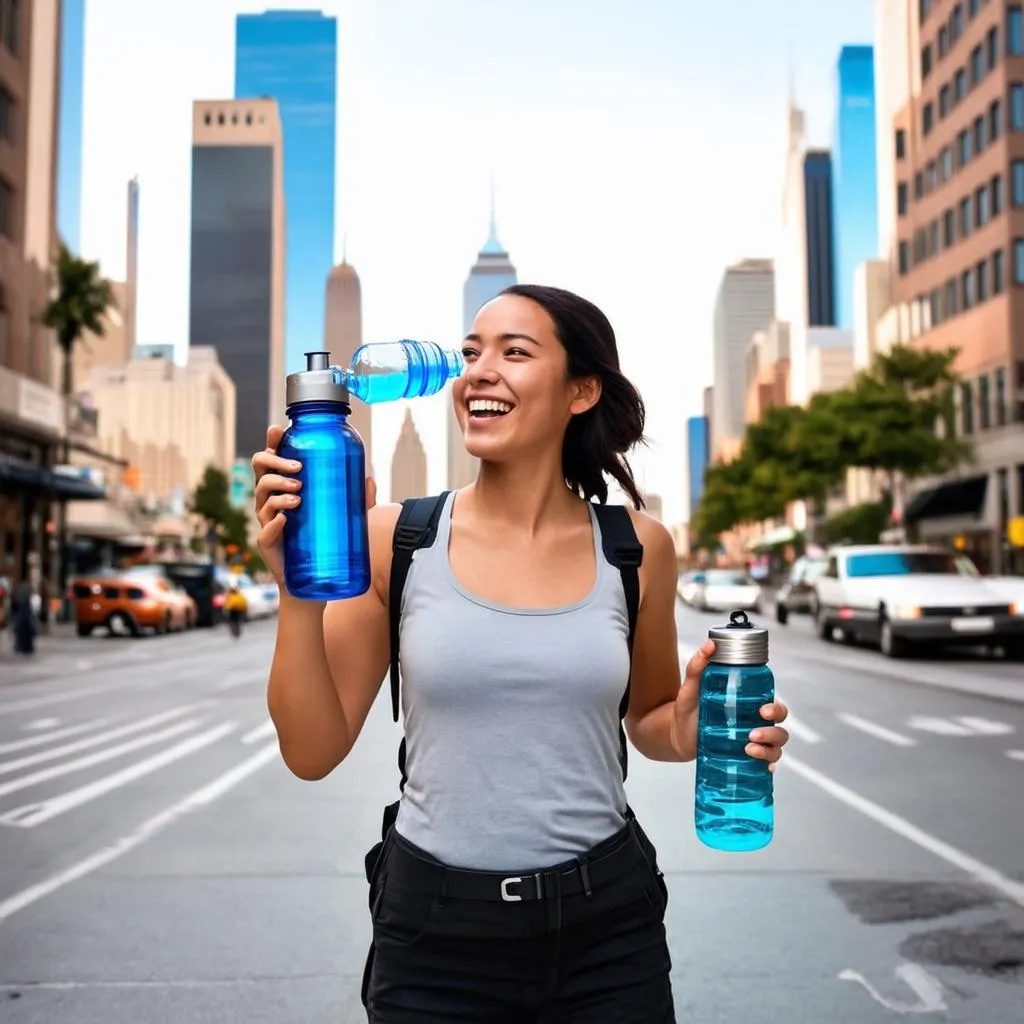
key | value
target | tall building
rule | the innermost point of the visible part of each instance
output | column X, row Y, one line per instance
column 854, row 169
column 236, row 297
column 409, row 463
column 490, row 275
column 69, row 144
column 818, row 218
column 745, row 303
column 343, row 334
column 131, row 282
column 291, row 56
column 959, row 170
column 698, row 452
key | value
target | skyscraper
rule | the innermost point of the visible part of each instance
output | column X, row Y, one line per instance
column 490, row 275
column 291, row 56
column 854, row 173
column 818, row 220
column 409, row 463
column 131, row 281
column 69, row 131
column 343, row 334
column 236, row 298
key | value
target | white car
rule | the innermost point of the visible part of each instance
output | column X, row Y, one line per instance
column 722, row 590
column 262, row 599
column 904, row 596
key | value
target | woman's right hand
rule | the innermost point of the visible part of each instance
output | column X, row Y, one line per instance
column 276, row 491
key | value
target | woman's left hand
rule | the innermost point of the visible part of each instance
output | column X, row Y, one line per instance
column 765, row 742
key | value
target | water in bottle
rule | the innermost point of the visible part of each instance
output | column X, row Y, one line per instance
column 735, row 808
column 387, row 371
column 326, row 544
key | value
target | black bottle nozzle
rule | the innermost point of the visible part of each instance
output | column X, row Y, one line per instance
column 739, row 620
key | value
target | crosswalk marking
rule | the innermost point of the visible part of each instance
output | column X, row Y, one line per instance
column 1015, row 755
column 985, row 727
column 939, row 726
column 799, row 730
column 878, row 731
column 49, row 737
column 261, row 732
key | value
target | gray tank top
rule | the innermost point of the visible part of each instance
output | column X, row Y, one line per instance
column 511, row 718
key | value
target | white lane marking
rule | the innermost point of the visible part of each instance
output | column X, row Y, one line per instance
column 261, row 732
column 6, row 767
column 41, row 723
column 49, row 737
column 30, row 815
column 13, row 706
column 45, row 774
column 978, row 870
column 939, row 726
column 878, row 731
column 929, row 992
column 147, row 830
column 241, row 678
column 1015, row 755
column 83, row 666
column 985, row 726
column 798, row 730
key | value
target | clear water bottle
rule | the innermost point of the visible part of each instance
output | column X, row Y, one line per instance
column 326, row 543
column 387, row 371
column 735, row 807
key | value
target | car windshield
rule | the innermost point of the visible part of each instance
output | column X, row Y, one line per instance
column 728, row 578
column 903, row 563
column 815, row 568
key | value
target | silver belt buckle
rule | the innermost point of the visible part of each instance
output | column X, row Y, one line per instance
column 510, row 897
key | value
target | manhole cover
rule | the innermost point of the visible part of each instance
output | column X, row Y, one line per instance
column 994, row 949
column 886, row 902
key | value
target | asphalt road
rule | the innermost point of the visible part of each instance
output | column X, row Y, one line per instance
column 158, row 863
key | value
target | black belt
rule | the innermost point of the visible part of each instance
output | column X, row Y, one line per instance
column 583, row 875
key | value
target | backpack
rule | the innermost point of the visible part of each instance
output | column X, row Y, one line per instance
column 417, row 528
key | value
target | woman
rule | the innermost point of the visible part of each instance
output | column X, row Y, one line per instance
column 515, row 885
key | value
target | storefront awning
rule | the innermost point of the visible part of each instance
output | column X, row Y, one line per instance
column 957, row 498
column 771, row 539
column 60, row 486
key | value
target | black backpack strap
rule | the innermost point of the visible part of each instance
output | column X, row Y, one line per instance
column 623, row 549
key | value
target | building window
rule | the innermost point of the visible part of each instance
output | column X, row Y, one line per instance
column 11, row 26
column 927, row 119
column 924, row 8
column 982, row 207
column 992, row 47
column 935, row 307
column 1017, row 106
column 963, row 147
column 967, row 407
column 945, row 101
column 980, row 139
column 995, row 120
column 220, row 119
column 902, row 199
column 959, row 85
column 981, row 281
column 920, row 246
column 207, row 119
column 1014, row 32
column 1000, row 402
column 919, row 185
column 1017, row 172
column 901, row 144
column 904, row 257
column 966, row 290
column 998, row 273
column 951, row 298
column 996, row 187
column 933, row 238
column 931, row 176
column 972, row 8
column 6, row 208
column 977, row 64
column 965, row 217
column 948, row 228
column 926, row 62
column 984, row 403
column 1018, row 261
column 943, row 41
column 946, row 163
column 8, row 107
column 956, row 24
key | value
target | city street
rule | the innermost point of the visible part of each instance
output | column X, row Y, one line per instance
column 159, row 864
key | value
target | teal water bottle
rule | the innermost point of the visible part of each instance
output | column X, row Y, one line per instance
column 735, row 807
column 390, row 370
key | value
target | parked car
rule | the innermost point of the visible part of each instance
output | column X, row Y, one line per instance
column 126, row 605
column 197, row 579
column 901, row 597
column 723, row 590
column 797, row 593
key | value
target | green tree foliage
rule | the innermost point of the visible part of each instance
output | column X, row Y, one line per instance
column 211, row 500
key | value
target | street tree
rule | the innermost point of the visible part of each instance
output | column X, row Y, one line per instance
column 211, row 501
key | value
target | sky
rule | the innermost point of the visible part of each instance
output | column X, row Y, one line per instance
column 637, row 150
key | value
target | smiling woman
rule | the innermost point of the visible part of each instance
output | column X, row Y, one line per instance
column 512, row 881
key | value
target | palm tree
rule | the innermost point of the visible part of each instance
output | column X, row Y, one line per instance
column 81, row 299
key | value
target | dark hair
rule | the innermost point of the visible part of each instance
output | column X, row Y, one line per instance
column 597, row 440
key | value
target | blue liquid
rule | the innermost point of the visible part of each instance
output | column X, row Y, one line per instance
column 326, row 543
column 735, row 806
column 388, row 371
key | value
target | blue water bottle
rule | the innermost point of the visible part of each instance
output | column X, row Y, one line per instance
column 735, row 808
column 389, row 370
column 326, row 546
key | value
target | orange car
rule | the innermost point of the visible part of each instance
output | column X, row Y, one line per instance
column 127, row 606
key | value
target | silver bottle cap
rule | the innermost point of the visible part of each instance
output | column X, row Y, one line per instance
column 740, row 642
column 319, row 382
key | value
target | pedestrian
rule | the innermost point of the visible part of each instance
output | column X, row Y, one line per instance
column 236, row 606
column 24, row 618
column 515, row 884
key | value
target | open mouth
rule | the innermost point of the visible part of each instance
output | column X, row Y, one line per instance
column 487, row 408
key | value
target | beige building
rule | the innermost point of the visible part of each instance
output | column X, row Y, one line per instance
column 236, row 286
column 343, row 334
column 409, row 463
column 168, row 422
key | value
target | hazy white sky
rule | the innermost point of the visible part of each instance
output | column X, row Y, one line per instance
column 637, row 149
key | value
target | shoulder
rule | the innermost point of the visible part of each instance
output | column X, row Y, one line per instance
column 381, row 521
column 653, row 535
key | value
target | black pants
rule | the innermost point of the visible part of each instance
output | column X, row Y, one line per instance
column 585, row 945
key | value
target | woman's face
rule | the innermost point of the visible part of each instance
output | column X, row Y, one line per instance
column 515, row 395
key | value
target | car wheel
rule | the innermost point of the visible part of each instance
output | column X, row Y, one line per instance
column 83, row 630
column 824, row 628
column 781, row 614
column 122, row 624
column 890, row 645
column 1013, row 650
